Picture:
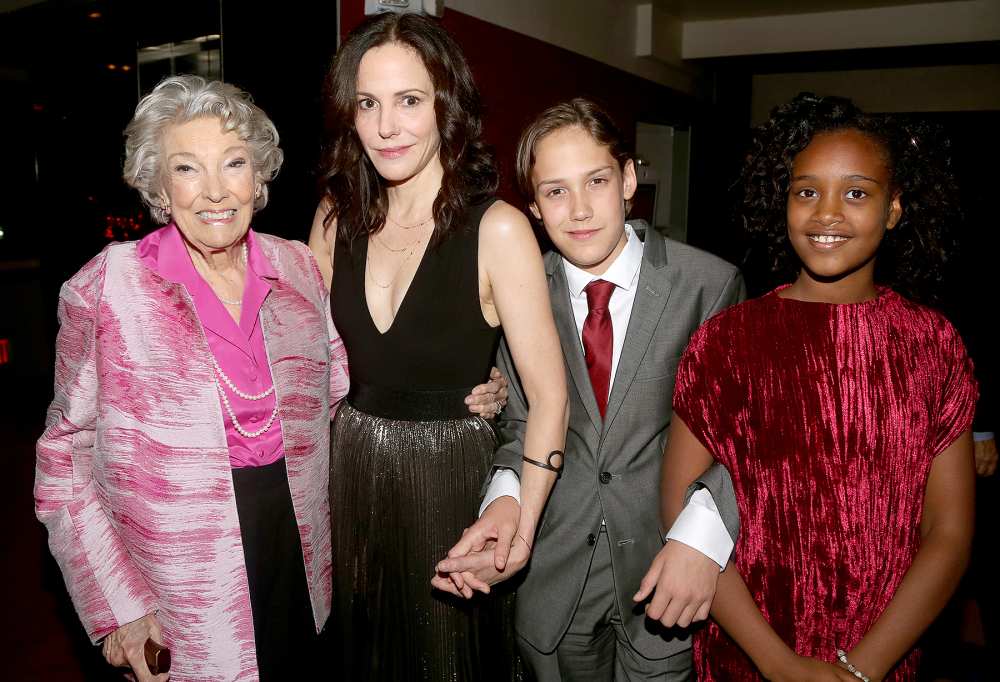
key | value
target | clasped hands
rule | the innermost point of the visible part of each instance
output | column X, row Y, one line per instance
column 488, row 399
column 490, row 551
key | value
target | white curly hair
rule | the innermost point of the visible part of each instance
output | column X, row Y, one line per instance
column 182, row 98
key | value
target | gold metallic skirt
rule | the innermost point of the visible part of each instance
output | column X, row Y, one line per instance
column 401, row 492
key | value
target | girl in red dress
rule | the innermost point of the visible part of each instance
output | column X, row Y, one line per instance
column 840, row 406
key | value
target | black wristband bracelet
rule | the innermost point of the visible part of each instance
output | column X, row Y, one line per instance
column 547, row 464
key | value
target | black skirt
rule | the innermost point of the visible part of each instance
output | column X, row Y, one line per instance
column 284, row 627
column 401, row 494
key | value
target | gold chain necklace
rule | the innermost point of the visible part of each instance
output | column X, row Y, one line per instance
column 381, row 242
column 371, row 275
column 409, row 227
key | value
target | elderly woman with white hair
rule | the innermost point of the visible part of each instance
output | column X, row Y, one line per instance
column 183, row 471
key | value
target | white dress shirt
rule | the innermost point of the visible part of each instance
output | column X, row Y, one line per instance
column 699, row 524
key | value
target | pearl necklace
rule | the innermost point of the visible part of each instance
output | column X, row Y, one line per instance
column 246, row 396
column 231, row 385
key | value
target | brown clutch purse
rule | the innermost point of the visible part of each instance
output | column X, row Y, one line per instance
column 157, row 657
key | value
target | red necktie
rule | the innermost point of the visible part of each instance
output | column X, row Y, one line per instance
column 598, row 338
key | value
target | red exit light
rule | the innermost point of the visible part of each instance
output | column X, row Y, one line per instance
column 4, row 351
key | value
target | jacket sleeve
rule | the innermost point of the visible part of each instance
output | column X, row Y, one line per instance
column 340, row 380
column 733, row 291
column 106, row 587
column 717, row 481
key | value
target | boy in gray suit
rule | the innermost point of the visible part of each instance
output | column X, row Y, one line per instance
column 624, row 309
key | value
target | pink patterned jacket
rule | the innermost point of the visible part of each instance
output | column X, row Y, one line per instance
column 133, row 478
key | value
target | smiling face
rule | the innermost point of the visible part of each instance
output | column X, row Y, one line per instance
column 580, row 192
column 208, row 183
column 395, row 119
column 840, row 203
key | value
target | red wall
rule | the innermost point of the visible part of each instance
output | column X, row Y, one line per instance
column 519, row 76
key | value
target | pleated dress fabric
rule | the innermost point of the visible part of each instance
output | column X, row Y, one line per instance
column 407, row 465
column 828, row 418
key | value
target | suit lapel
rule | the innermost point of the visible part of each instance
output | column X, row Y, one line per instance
column 569, row 337
column 650, row 301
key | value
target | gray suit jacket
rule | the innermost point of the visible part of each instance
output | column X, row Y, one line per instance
column 612, row 468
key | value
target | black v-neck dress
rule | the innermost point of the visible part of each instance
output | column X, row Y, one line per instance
column 407, row 464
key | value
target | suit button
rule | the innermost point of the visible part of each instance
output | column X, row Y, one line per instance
column 591, row 539
column 605, row 477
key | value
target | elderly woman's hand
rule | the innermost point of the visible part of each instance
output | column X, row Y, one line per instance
column 124, row 648
column 488, row 399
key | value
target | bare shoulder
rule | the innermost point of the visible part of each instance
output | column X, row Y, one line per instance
column 320, row 231
column 504, row 224
column 508, row 256
column 322, row 236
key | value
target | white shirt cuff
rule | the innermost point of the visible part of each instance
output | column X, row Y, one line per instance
column 700, row 527
column 504, row 482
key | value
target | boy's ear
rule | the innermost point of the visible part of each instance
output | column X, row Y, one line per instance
column 629, row 180
column 895, row 211
column 533, row 207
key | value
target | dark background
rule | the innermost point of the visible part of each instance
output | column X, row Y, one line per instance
column 62, row 112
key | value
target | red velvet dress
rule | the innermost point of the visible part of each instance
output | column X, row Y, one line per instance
column 828, row 417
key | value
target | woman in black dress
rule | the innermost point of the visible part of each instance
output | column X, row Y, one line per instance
column 426, row 266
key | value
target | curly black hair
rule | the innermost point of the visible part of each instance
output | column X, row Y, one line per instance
column 356, row 192
column 912, row 258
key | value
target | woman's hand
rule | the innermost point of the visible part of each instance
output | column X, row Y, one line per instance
column 490, row 538
column 799, row 668
column 477, row 570
column 124, row 648
column 488, row 399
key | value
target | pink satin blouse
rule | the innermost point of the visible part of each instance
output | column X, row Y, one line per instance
column 238, row 348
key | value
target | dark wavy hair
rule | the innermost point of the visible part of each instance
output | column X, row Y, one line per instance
column 355, row 190
column 912, row 257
